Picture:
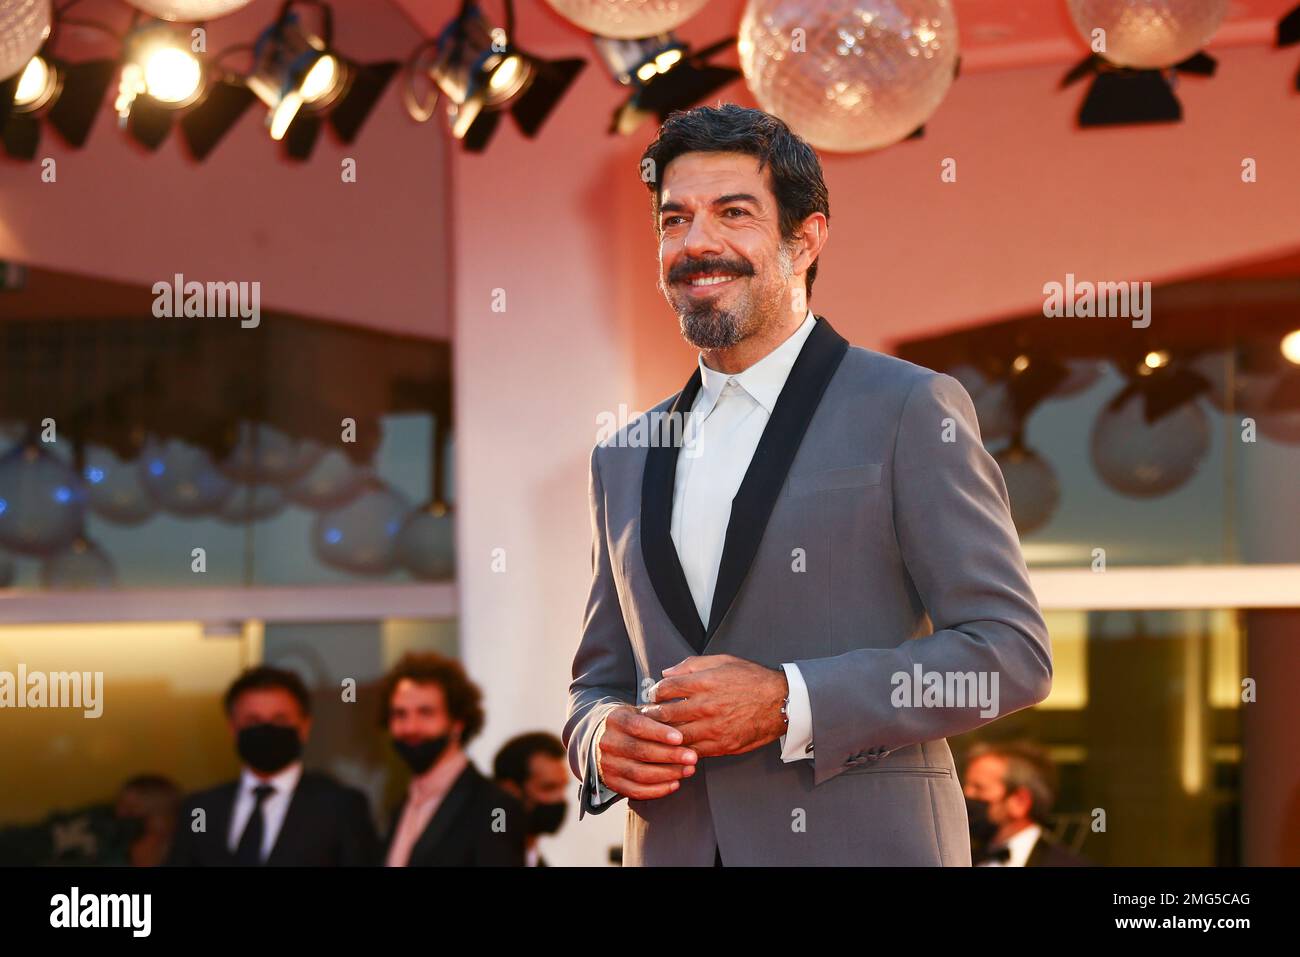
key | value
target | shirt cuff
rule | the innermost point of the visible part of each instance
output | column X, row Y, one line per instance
column 796, row 743
column 597, row 794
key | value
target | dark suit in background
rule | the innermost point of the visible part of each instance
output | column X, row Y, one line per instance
column 465, row 830
column 1049, row 852
column 327, row 825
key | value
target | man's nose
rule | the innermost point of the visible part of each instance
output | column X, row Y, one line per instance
column 701, row 237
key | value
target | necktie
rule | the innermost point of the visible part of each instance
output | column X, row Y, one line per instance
column 249, row 852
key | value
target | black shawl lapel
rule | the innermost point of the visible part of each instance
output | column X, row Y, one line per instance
column 657, row 548
column 752, row 507
column 453, row 802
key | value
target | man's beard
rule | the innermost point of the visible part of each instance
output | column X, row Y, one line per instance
column 707, row 327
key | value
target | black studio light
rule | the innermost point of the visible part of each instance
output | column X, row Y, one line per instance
column 50, row 90
column 483, row 74
column 1288, row 34
column 160, row 76
column 663, row 75
column 302, row 79
column 1125, row 95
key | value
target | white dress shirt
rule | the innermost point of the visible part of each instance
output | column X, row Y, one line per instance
column 1021, row 844
column 274, row 807
column 723, row 428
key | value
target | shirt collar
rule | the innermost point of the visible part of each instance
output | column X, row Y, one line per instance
column 1021, row 844
column 439, row 778
column 764, row 379
column 283, row 781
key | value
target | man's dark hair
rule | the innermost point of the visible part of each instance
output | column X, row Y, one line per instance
column 265, row 676
column 464, row 699
column 159, row 794
column 516, row 755
column 796, row 173
column 1029, row 767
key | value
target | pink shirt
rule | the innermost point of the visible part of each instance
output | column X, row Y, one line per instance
column 422, row 800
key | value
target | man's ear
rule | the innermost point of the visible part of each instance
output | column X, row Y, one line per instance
column 812, row 238
column 511, row 788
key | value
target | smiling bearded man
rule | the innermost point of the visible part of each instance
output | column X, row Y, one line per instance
column 828, row 521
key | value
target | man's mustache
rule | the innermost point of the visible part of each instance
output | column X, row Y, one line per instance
column 679, row 272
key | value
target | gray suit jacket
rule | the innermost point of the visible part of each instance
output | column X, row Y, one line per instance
column 870, row 539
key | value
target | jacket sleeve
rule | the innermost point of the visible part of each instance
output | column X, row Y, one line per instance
column 184, row 848
column 953, row 525
column 359, row 846
column 500, row 843
column 604, row 674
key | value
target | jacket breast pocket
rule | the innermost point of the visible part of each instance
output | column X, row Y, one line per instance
column 896, row 769
column 856, row 476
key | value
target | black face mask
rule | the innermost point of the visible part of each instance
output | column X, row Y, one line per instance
column 546, row 818
column 423, row 754
column 981, row 828
column 128, row 829
column 267, row 748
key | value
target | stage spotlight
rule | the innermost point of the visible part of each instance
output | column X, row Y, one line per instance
column 67, row 95
column 303, row 80
column 1291, row 346
column 663, row 74
column 203, row 126
column 160, row 75
column 1123, row 95
column 483, row 74
column 1155, row 359
column 37, row 85
column 1288, row 34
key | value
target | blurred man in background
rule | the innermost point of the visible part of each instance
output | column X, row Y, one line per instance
column 1010, row 790
column 534, row 768
column 452, row 815
column 135, row 829
column 146, row 810
column 276, row 813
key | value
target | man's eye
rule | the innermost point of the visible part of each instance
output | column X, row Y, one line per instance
column 669, row 220
column 737, row 209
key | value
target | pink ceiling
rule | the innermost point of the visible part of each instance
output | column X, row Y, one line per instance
column 995, row 34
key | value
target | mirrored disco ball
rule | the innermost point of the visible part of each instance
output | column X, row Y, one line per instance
column 114, row 491
column 83, row 564
column 182, row 478
column 333, row 481
column 1149, row 34
column 1145, row 459
column 263, row 453
column 8, row 570
column 252, row 503
column 1031, row 486
column 1252, row 393
column 426, row 545
column 189, row 10
column 361, row 536
column 992, row 401
column 870, row 71
column 42, row 505
column 627, row 19
column 24, row 25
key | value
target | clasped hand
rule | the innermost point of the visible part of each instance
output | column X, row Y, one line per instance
column 704, row 706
